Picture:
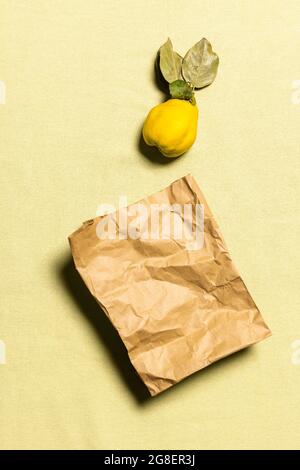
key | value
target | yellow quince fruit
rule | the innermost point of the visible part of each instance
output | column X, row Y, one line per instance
column 172, row 127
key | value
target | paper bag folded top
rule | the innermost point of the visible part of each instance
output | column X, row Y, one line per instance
column 161, row 272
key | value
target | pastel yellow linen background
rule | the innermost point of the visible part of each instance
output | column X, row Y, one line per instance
column 79, row 82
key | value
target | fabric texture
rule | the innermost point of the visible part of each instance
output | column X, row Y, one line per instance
column 77, row 80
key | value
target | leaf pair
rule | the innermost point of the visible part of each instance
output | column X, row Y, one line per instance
column 198, row 67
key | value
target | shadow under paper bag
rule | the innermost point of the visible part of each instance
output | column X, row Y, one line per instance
column 177, row 310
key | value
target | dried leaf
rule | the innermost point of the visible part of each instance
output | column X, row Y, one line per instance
column 200, row 64
column 170, row 62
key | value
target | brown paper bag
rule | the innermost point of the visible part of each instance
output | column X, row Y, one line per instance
column 173, row 295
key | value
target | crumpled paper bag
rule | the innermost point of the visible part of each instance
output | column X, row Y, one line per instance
column 177, row 302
